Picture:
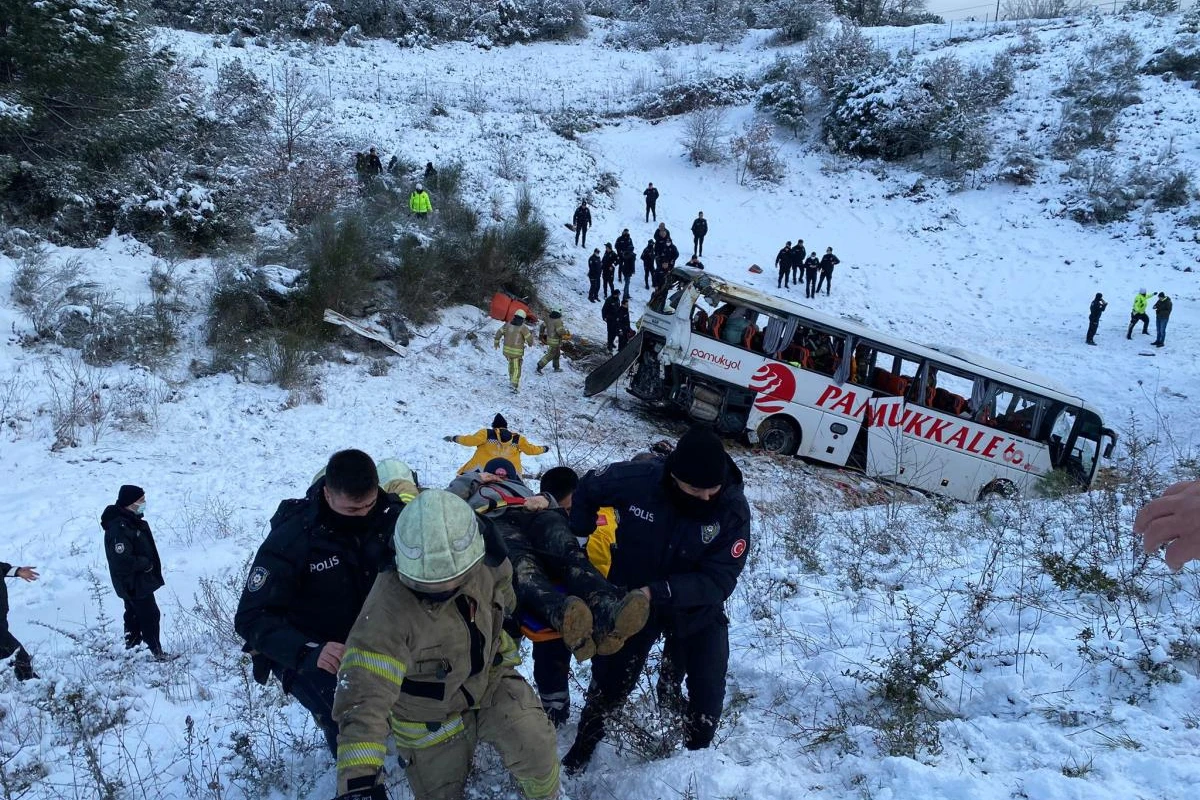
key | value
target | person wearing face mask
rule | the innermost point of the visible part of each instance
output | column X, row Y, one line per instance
column 134, row 566
column 682, row 541
column 429, row 663
column 310, row 577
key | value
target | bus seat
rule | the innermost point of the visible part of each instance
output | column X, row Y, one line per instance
column 718, row 322
column 700, row 321
column 889, row 383
column 795, row 354
column 948, row 401
column 748, row 337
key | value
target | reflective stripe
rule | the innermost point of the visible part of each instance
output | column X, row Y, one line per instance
column 416, row 735
column 510, row 653
column 536, row 788
column 378, row 664
column 513, row 352
column 360, row 754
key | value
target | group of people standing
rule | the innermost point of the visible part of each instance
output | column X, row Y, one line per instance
column 794, row 262
column 1141, row 301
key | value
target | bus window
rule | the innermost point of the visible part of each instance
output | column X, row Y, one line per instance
column 882, row 370
column 666, row 297
column 1013, row 411
column 738, row 324
column 1062, row 423
column 948, row 391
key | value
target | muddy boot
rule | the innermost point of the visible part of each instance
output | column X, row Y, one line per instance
column 628, row 615
column 575, row 624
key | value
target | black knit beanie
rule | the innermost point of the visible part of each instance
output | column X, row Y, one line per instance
column 699, row 459
column 128, row 495
column 499, row 421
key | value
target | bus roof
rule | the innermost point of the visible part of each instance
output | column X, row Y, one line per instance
column 945, row 355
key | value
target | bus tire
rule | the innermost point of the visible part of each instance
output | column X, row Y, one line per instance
column 779, row 436
column 1001, row 487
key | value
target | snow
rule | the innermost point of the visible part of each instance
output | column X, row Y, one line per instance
column 995, row 269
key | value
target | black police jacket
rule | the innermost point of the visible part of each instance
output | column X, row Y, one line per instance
column 691, row 565
column 4, row 570
column 309, row 579
column 133, row 562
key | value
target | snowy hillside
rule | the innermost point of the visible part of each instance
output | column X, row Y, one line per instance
column 883, row 645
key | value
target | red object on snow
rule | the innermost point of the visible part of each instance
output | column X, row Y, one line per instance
column 756, row 269
column 504, row 305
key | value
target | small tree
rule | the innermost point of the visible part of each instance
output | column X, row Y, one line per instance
column 301, row 112
column 702, row 136
column 757, row 156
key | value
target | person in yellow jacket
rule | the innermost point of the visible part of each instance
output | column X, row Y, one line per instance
column 1138, row 314
column 496, row 442
column 428, row 662
column 418, row 201
column 517, row 337
column 552, row 334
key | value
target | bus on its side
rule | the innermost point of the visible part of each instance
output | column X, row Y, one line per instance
column 800, row 382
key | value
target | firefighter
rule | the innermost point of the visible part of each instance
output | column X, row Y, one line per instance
column 517, row 337
column 552, row 334
column 429, row 664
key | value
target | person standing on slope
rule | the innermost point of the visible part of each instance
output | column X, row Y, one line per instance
column 516, row 336
column 134, row 567
column 699, row 231
column 828, row 262
column 22, row 664
column 783, row 263
column 651, row 195
column 798, row 254
column 1140, row 301
column 595, row 270
column 582, row 221
column 1162, row 313
column 1094, row 312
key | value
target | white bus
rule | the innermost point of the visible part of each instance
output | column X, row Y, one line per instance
column 800, row 382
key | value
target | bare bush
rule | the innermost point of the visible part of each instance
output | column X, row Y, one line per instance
column 46, row 293
column 702, row 134
column 1041, row 9
column 756, row 154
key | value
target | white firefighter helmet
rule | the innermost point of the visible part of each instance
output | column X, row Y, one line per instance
column 437, row 540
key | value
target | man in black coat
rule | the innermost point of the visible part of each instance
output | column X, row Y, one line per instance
column 22, row 664
column 798, row 254
column 699, row 231
column 625, row 243
column 828, row 262
column 310, row 578
column 582, row 221
column 595, row 267
column 608, row 312
column 608, row 268
column 651, row 195
column 1094, row 312
column 134, row 567
column 783, row 263
column 812, row 268
column 648, row 261
column 668, row 254
column 1162, row 315
column 682, row 540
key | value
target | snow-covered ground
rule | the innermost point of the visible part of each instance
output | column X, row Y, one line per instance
column 1023, row 711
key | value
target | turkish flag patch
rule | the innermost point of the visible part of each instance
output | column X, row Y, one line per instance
column 739, row 547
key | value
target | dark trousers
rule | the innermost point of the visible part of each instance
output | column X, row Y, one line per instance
column 826, row 281
column 594, row 289
column 627, row 278
column 782, row 283
column 22, row 664
column 1093, row 324
column 142, row 619
column 609, row 280
column 698, row 245
column 647, row 271
column 1160, row 328
column 551, row 673
column 702, row 658
column 650, row 211
column 581, row 236
column 1134, row 319
column 543, row 549
column 810, row 283
column 614, row 333
column 314, row 691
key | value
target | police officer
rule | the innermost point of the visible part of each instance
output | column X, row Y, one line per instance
column 134, row 566
column 429, row 664
column 22, row 664
column 310, row 577
column 682, row 540
column 1094, row 312
column 595, row 267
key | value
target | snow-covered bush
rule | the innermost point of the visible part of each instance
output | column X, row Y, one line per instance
column 702, row 134
column 353, row 37
column 756, row 154
column 1020, row 165
column 783, row 93
column 1097, row 87
column 321, row 22
column 688, row 96
column 793, row 20
column 662, row 22
column 832, row 61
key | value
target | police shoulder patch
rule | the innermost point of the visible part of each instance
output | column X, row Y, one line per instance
column 257, row 579
column 119, row 547
column 709, row 532
column 739, row 547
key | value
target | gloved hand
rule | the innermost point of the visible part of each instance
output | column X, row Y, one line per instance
column 447, row 438
column 365, row 788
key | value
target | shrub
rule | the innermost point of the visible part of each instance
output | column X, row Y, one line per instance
column 44, row 293
column 1096, row 88
column 1171, row 61
column 342, row 257
column 832, row 62
column 662, row 22
column 702, row 135
column 782, row 94
column 688, row 96
column 757, row 156
column 794, row 21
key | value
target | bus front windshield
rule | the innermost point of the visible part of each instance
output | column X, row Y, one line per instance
column 1075, row 443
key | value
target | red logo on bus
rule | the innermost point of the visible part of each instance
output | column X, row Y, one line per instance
column 775, row 384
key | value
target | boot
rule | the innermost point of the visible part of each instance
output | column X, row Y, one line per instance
column 628, row 616
column 574, row 622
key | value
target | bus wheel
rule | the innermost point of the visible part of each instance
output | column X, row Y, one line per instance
column 779, row 436
column 998, row 488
